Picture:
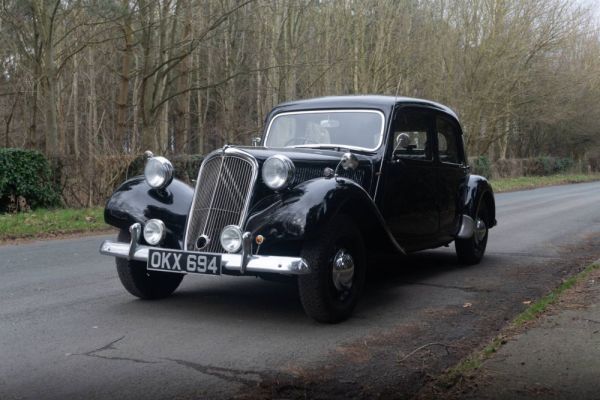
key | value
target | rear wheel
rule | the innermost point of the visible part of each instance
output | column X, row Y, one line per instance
column 142, row 283
column 470, row 251
column 337, row 259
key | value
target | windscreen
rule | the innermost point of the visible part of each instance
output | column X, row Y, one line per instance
column 359, row 129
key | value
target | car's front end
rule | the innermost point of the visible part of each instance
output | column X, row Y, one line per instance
column 231, row 210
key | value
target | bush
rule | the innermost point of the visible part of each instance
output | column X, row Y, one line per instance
column 550, row 165
column 26, row 180
column 482, row 166
column 593, row 161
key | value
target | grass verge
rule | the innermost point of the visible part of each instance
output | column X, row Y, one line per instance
column 532, row 182
column 41, row 223
column 474, row 361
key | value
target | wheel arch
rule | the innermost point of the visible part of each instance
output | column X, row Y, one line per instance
column 488, row 200
column 480, row 190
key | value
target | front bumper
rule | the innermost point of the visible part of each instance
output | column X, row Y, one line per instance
column 229, row 262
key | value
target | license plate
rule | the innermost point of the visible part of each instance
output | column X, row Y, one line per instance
column 183, row 262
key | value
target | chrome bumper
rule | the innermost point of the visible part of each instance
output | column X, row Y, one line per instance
column 229, row 262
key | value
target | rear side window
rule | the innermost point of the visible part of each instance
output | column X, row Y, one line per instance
column 447, row 136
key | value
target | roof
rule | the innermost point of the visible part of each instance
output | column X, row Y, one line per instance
column 359, row 101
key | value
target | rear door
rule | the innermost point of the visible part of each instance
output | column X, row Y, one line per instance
column 452, row 173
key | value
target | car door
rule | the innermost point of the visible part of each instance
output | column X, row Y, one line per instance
column 408, row 194
column 452, row 173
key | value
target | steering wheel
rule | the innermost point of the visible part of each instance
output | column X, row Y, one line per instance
column 300, row 140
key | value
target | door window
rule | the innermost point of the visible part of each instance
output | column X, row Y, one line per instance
column 411, row 139
column 447, row 136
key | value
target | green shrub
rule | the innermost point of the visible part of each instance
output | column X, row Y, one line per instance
column 547, row 165
column 482, row 166
column 26, row 180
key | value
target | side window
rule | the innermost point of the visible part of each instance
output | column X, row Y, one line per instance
column 447, row 141
column 411, row 138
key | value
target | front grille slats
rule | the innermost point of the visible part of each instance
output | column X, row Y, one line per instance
column 223, row 190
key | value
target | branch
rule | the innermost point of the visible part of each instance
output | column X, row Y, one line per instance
column 446, row 346
column 195, row 42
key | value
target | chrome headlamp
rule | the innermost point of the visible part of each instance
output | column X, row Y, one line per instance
column 278, row 171
column 158, row 172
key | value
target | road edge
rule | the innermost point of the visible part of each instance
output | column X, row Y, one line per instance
column 449, row 383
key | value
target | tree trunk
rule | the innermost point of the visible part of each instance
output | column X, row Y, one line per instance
column 123, row 93
column 76, row 108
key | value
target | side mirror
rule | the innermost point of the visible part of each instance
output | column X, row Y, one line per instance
column 256, row 140
column 349, row 161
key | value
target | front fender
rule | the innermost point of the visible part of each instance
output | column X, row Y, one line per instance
column 135, row 201
column 479, row 189
column 287, row 219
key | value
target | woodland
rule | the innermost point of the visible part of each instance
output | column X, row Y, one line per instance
column 89, row 78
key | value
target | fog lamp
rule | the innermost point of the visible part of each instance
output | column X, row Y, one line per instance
column 154, row 231
column 231, row 238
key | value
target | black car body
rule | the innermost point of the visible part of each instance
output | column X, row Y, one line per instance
column 336, row 178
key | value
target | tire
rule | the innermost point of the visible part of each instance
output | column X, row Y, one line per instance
column 325, row 298
column 148, row 285
column 470, row 251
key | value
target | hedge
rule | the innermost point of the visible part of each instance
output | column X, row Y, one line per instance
column 26, row 181
column 515, row 167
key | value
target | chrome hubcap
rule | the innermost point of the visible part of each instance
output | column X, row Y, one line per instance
column 343, row 270
column 480, row 230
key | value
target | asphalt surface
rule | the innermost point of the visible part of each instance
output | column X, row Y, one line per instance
column 564, row 344
column 69, row 330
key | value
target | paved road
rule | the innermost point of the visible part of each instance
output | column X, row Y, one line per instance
column 69, row 330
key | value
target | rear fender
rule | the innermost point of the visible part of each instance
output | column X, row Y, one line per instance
column 479, row 189
column 287, row 219
column 135, row 201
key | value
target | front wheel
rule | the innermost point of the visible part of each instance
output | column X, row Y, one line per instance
column 470, row 251
column 337, row 259
column 141, row 283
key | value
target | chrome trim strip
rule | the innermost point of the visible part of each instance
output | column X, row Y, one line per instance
column 357, row 110
column 229, row 262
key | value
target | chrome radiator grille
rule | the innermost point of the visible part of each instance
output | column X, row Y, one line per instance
column 222, row 197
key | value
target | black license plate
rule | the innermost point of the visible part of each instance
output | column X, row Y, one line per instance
column 184, row 262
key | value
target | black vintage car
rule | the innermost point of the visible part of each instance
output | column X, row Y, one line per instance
column 336, row 179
